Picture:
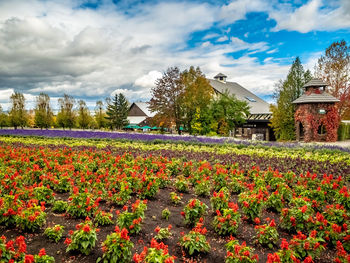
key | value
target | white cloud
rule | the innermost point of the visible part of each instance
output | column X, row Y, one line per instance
column 222, row 39
column 148, row 80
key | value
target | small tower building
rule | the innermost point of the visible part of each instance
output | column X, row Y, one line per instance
column 316, row 116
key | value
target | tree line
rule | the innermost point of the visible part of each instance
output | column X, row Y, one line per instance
column 71, row 114
column 333, row 67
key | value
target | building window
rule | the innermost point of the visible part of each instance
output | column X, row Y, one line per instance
column 250, row 99
column 321, row 130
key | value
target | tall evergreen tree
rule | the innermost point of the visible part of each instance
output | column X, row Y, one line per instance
column 18, row 116
column 117, row 112
column 286, row 92
column 66, row 116
column 84, row 117
column 3, row 118
column 100, row 115
column 43, row 113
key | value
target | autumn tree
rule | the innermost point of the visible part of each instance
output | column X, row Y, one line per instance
column 84, row 117
column 3, row 118
column 43, row 117
column 167, row 98
column 334, row 68
column 100, row 116
column 196, row 97
column 117, row 112
column 228, row 112
column 18, row 116
column 66, row 116
column 286, row 92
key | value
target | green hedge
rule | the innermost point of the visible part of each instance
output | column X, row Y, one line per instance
column 344, row 131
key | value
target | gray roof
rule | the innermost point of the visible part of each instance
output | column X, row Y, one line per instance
column 316, row 98
column 315, row 83
column 144, row 107
column 257, row 105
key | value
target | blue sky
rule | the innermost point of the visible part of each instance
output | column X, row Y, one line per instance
column 93, row 49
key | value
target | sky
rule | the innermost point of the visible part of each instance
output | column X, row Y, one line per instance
column 92, row 49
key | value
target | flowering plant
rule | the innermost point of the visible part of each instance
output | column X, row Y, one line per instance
column 157, row 252
column 304, row 246
column 123, row 195
column 31, row 218
column 267, row 235
column 195, row 241
column 298, row 217
column 193, row 211
column 226, row 223
column 12, row 250
column 252, row 204
column 59, row 206
column 237, row 253
column 182, row 184
column 342, row 255
column 202, row 187
column 219, row 201
column 43, row 194
column 285, row 255
column 117, row 247
column 82, row 204
column 83, row 239
column 9, row 206
column 132, row 220
column 149, row 187
column 166, row 214
column 175, row 199
column 103, row 218
column 43, row 258
column 54, row 233
column 163, row 233
column 275, row 202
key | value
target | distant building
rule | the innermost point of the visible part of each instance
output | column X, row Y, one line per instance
column 316, row 116
column 139, row 113
column 257, row 123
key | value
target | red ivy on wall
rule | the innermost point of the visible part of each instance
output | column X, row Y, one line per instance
column 311, row 119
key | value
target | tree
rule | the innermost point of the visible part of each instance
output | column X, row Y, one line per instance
column 228, row 112
column 66, row 116
column 43, row 117
column 286, row 92
column 196, row 96
column 3, row 118
column 117, row 111
column 166, row 98
column 18, row 115
column 84, row 117
column 100, row 115
column 334, row 68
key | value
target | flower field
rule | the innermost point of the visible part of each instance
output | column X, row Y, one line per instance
column 80, row 200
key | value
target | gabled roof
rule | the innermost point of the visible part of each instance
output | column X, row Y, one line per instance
column 144, row 107
column 315, row 83
column 316, row 98
column 257, row 105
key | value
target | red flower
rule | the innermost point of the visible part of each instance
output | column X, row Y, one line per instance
column 284, row 244
column 124, row 234
column 86, row 228
column 257, row 220
column 29, row 259
column 272, row 223
column 157, row 229
column 42, row 252
column 68, row 241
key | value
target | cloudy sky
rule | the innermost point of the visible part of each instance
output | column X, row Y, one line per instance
column 91, row 49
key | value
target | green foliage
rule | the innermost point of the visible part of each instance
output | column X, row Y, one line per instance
column 81, row 205
column 100, row 115
column 175, row 199
column 66, row 116
column 117, row 112
column 286, row 92
column 54, row 233
column 219, row 201
column 43, row 193
column 83, row 239
column 304, row 246
column 166, row 214
column 267, row 235
column 18, row 116
column 103, row 218
column 343, row 131
column 203, row 187
column 59, row 206
column 163, row 233
column 117, row 247
column 84, row 117
column 3, row 118
column 237, row 253
column 132, row 220
column 182, row 184
column 195, row 241
column 43, row 117
column 251, row 204
column 193, row 211
column 31, row 218
column 227, row 223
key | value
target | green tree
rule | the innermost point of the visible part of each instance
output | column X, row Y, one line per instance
column 196, row 97
column 18, row 116
column 166, row 98
column 286, row 92
column 3, row 118
column 228, row 112
column 334, row 68
column 117, row 112
column 43, row 117
column 66, row 116
column 100, row 116
column 84, row 117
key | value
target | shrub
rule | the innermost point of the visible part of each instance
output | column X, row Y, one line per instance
column 237, row 253
column 59, row 206
column 43, row 258
column 165, row 214
column 163, row 233
column 157, row 252
column 181, row 184
column 195, row 241
column 123, row 195
column 203, row 187
column 267, row 235
column 252, row 204
column 227, row 223
column 117, row 247
column 132, row 220
column 31, row 218
column 83, row 239
column 175, row 199
column 43, row 194
column 304, row 246
column 82, row 204
column 103, row 218
column 193, row 211
column 54, row 233
column 285, row 254
column 219, row 201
